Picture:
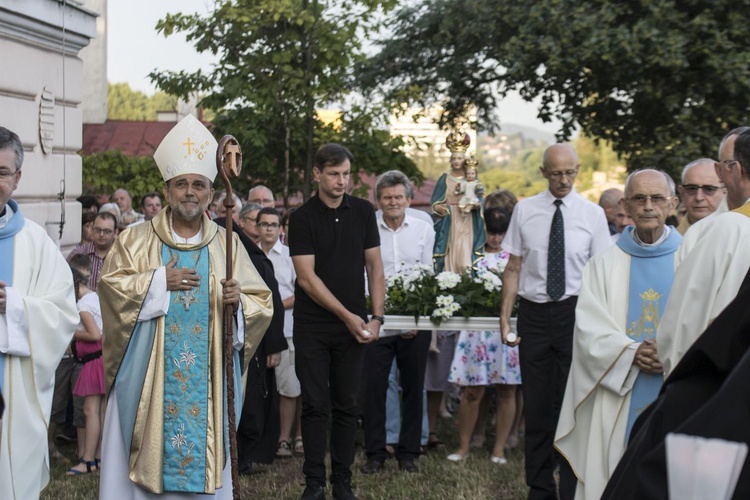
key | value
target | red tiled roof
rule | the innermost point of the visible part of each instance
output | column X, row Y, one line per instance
column 133, row 138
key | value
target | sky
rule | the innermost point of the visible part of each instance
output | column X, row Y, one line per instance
column 135, row 49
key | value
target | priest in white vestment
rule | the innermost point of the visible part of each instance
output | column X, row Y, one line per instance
column 37, row 319
column 615, row 373
column 714, row 262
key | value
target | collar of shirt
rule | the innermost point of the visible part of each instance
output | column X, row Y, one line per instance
column 322, row 207
column 662, row 238
column 568, row 200
column 384, row 225
column 277, row 247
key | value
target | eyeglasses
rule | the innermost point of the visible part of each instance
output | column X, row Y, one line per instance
column 7, row 174
column 656, row 199
column 272, row 225
column 99, row 230
column 708, row 190
column 567, row 173
column 249, row 219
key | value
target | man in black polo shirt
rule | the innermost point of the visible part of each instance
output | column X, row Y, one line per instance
column 334, row 239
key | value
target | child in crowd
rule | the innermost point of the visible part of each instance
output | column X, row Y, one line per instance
column 90, row 384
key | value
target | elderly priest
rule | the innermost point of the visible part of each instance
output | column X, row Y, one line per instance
column 615, row 372
column 162, row 290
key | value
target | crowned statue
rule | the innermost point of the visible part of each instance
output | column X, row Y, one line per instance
column 456, row 201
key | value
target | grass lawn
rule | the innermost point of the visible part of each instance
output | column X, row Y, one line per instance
column 475, row 478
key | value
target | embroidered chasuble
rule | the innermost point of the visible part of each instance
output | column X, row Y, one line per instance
column 647, row 297
column 186, row 377
column 167, row 373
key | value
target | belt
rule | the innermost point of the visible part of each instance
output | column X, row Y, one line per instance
column 89, row 357
column 547, row 305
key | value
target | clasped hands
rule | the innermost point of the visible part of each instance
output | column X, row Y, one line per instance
column 646, row 358
column 184, row 278
column 357, row 327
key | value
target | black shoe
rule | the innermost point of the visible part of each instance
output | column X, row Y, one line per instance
column 246, row 469
column 408, row 465
column 343, row 491
column 372, row 466
column 313, row 492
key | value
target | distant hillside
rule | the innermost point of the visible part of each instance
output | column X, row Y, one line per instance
column 528, row 132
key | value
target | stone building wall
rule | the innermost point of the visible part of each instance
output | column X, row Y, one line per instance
column 41, row 91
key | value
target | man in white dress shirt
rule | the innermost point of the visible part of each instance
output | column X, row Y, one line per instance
column 404, row 242
column 551, row 238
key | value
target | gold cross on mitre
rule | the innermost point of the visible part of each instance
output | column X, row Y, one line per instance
column 188, row 144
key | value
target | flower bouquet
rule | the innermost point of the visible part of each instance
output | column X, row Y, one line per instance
column 417, row 293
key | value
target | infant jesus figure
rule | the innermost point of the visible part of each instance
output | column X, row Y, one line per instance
column 471, row 189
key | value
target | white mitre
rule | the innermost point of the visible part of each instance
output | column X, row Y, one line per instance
column 189, row 148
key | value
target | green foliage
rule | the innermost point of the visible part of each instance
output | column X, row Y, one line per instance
column 661, row 80
column 279, row 60
column 123, row 103
column 516, row 182
column 108, row 171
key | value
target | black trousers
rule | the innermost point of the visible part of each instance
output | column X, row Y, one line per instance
column 546, row 349
column 328, row 363
column 411, row 359
column 258, row 430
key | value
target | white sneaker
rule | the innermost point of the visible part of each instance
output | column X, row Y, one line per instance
column 499, row 460
column 455, row 457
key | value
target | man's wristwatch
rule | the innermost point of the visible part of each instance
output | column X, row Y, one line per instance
column 379, row 318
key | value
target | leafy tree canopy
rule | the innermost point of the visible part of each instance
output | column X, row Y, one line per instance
column 124, row 103
column 661, row 80
column 111, row 170
column 279, row 61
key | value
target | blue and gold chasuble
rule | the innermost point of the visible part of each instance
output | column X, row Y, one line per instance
column 186, row 377
column 651, row 275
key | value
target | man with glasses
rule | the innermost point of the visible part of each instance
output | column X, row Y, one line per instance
column 551, row 238
column 701, row 192
column 105, row 232
column 37, row 319
column 248, row 222
column 615, row 371
column 730, row 202
column 713, row 269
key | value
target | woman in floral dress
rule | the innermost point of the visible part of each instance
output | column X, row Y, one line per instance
column 481, row 359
